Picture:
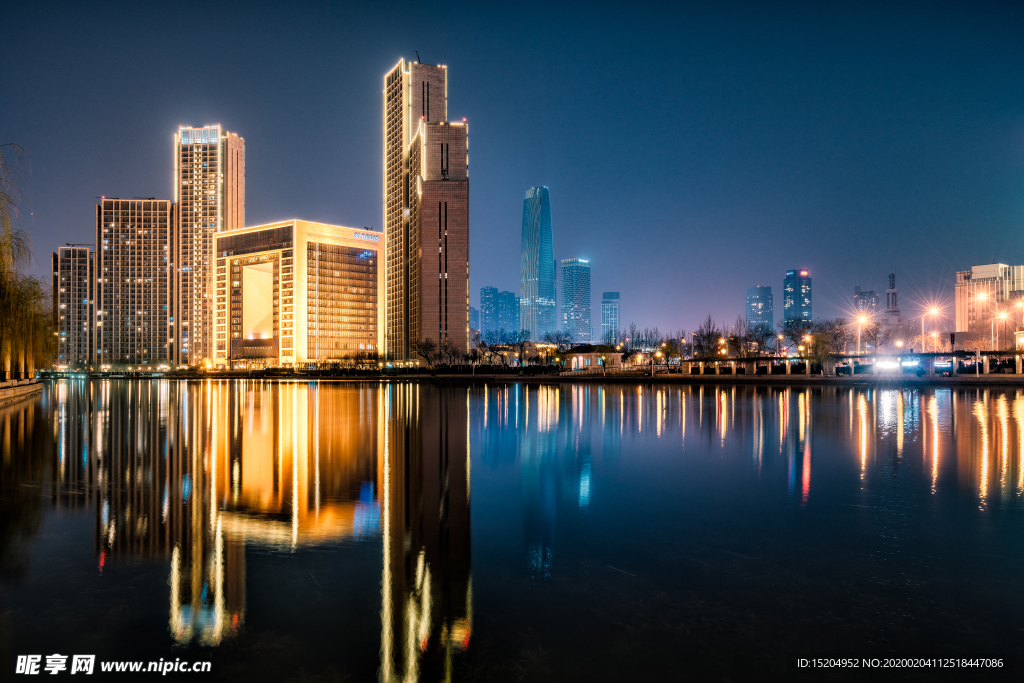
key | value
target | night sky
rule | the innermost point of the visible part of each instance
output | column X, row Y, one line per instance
column 691, row 152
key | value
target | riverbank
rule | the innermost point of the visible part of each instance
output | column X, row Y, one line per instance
column 867, row 380
column 19, row 389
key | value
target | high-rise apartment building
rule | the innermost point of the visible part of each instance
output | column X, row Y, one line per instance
column 576, row 303
column 426, row 212
column 209, row 183
column 609, row 314
column 760, row 308
column 133, row 282
column 983, row 292
column 796, row 293
column 537, row 266
column 474, row 318
column 865, row 302
column 295, row 292
column 73, row 278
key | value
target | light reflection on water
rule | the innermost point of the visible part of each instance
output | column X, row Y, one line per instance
column 197, row 477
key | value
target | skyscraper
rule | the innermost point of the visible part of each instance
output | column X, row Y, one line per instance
column 609, row 314
column 796, row 293
column 488, row 310
column 508, row 312
column 498, row 311
column 576, row 304
column 474, row 318
column 133, row 282
column 426, row 208
column 865, row 303
column 73, row 304
column 537, row 269
column 760, row 311
column 209, row 183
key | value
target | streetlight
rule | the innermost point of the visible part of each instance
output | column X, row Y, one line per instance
column 933, row 311
column 1002, row 317
column 860, row 323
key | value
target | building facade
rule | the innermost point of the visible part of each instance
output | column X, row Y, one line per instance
column 609, row 314
column 985, row 291
column 576, row 303
column 73, row 278
column 760, row 308
column 426, row 207
column 508, row 312
column 796, row 292
column 209, row 181
column 294, row 293
column 134, row 281
column 488, row 310
column 865, row 302
column 537, row 266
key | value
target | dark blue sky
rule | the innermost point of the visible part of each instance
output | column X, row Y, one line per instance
column 690, row 151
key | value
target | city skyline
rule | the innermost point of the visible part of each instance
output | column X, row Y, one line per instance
column 889, row 190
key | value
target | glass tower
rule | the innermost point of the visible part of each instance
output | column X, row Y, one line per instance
column 760, row 311
column 609, row 314
column 537, row 270
column 796, row 291
column 576, row 308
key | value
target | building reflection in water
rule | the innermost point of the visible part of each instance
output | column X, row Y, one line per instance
column 194, row 473
column 427, row 590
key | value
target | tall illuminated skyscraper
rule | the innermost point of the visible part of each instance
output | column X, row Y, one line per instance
column 133, row 282
column 537, row 266
column 209, row 183
column 576, row 306
column 426, row 212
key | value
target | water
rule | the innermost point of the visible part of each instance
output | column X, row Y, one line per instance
column 328, row 532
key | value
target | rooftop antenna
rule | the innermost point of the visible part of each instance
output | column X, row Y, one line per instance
column 418, row 56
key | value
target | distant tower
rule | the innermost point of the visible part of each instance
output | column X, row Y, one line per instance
column 609, row 314
column 796, row 293
column 576, row 306
column 760, row 311
column 537, row 266
column 892, row 305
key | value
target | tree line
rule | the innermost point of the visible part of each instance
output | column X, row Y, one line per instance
column 26, row 313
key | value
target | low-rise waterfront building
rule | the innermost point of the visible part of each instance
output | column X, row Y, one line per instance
column 295, row 292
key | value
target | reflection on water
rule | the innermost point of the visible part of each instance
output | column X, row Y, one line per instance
column 196, row 477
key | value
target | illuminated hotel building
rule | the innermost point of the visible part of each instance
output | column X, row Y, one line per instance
column 209, row 182
column 296, row 292
column 133, row 282
column 426, row 212
column 72, row 269
column 985, row 291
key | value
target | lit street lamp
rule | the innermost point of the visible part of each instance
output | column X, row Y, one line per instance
column 860, row 323
column 932, row 312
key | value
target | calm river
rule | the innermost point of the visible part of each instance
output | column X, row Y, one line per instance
column 360, row 532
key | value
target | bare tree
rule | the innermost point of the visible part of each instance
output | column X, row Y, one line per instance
column 706, row 338
column 828, row 338
column 426, row 349
column 875, row 336
column 562, row 340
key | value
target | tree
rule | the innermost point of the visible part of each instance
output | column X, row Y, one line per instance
column 426, row 349
column 828, row 338
column 706, row 338
column 518, row 341
column 874, row 335
column 561, row 340
column 26, row 320
column 795, row 330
